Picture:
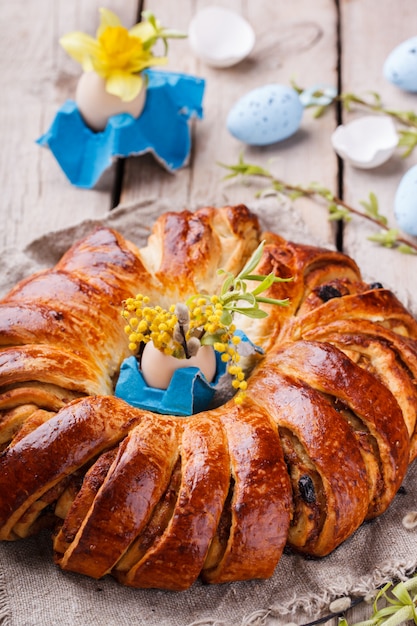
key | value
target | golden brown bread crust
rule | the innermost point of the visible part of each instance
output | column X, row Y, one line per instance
column 186, row 249
column 133, row 486
column 67, row 441
column 195, row 515
column 260, row 500
column 320, row 443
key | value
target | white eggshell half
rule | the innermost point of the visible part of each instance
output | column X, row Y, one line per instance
column 405, row 202
column 158, row 368
column 366, row 142
column 96, row 105
column 220, row 37
column 266, row 115
column 400, row 67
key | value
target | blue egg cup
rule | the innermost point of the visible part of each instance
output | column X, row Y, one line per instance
column 162, row 129
column 189, row 391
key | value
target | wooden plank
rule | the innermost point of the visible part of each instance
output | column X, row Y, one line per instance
column 361, row 72
column 37, row 77
column 296, row 43
column 143, row 176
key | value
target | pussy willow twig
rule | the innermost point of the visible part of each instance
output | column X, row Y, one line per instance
column 408, row 119
column 338, row 209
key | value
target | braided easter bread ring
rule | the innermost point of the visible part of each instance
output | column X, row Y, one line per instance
column 321, row 441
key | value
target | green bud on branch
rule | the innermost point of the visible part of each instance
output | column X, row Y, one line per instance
column 337, row 208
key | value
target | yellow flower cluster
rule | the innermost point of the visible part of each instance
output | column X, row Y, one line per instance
column 208, row 323
column 149, row 323
column 208, row 314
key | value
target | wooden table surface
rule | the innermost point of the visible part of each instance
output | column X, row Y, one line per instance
column 338, row 42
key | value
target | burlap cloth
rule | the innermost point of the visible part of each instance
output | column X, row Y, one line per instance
column 34, row 592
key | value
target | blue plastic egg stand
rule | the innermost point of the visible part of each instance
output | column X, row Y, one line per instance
column 189, row 391
column 162, row 129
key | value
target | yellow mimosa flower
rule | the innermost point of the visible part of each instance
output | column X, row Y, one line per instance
column 117, row 54
column 184, row 328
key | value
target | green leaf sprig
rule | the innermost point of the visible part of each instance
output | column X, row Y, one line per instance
column 407, row 119
column 337, row 208
column 160, row 32
column 399, row 605
column 234, row 290
column 235, row 296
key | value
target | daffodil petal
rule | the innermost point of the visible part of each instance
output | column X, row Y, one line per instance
column 99, row 67
column 81, row 47
column 142, row 64
column 107, row 18
column 157, row 61
column 144, row 31
column 124, row 85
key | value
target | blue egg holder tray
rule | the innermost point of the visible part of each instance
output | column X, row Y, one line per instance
column 163, row 129
column 188, row 392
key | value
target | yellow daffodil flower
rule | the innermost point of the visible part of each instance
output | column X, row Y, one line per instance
column 117, row 54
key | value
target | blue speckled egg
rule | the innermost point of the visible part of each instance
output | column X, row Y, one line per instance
column 265, row 115
column 405, row 203
column 400, row 67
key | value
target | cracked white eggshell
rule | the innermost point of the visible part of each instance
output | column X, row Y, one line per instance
column 266, row 115
column 366, row 142
column 158, row 368
column 400, row 67
column 220, row 37
column 405, row 202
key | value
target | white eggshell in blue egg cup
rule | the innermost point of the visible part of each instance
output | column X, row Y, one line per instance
column 266, row 115
column 400, row 67
column 405, row 202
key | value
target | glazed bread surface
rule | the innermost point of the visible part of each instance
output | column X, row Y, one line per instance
column 320, row 443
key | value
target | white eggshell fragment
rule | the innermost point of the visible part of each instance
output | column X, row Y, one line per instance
column 405, row 202
column 366, row 142
column 400, row 67
column 220, row 37
column 266, row 115
column 158, row 368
